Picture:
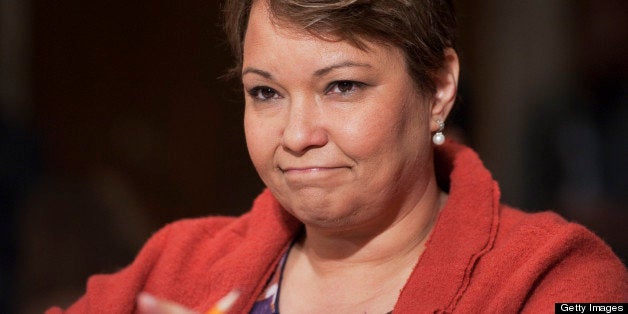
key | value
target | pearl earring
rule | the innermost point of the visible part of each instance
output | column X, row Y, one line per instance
column 439, row 137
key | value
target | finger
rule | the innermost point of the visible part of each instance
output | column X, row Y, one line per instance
column 223, row 305
column 149, row 304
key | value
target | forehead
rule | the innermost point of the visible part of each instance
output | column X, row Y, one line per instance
column 270, row 42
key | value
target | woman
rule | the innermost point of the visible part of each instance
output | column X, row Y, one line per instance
column 365, row 211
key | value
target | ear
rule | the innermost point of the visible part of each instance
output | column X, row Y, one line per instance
column 446, row 88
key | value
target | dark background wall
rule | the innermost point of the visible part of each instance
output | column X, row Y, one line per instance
column 115, row 122
column 134, row 89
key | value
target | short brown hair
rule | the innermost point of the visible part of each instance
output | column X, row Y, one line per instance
column 422, row 29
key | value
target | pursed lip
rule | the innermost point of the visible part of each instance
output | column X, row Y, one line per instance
column 308, row 169
column 304, row 176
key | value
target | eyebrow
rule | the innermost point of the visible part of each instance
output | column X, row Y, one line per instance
column 257, row 71
column 319, row 72
column 332, row 67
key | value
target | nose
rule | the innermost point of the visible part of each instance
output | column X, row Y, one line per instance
column 304, row 127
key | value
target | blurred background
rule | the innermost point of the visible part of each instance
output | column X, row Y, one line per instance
column 113, row 122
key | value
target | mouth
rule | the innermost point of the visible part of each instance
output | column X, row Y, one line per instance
column 313, row 174
column 308, row 169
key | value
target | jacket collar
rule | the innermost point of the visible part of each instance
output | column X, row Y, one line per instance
column 465, row 231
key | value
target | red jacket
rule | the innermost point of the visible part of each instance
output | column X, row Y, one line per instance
column 481, row 257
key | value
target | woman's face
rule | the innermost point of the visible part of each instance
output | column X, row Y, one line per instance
column 340, row 135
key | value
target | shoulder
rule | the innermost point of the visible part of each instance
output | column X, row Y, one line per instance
column 550, row 234
column 226, row 228
column 159, row 259
column 194, row 230
column 538, row 259
column 540, row 229
column 206, row 239
column 185, row 260
column 554, row 260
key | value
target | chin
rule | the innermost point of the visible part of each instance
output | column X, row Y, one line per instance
column 333, row 223
column 325, row 216
column 320, row 207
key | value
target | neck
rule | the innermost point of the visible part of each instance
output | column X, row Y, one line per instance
column 386, row 241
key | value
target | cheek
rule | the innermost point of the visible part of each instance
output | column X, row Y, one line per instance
column 364, row 138
column 395, row 132
column 377, row 130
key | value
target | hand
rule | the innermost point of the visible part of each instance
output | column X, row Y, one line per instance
column 149, row 304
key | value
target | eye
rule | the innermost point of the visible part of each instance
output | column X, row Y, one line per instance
column 343, row 87
column 263, row 93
